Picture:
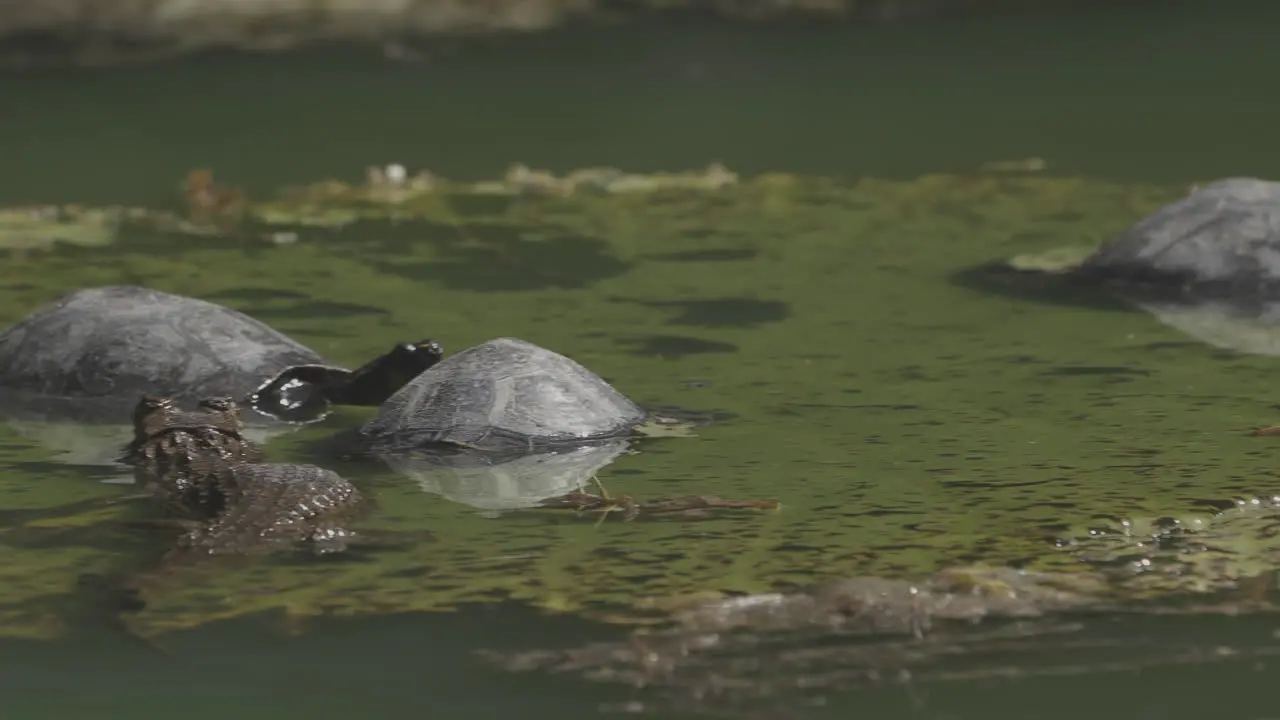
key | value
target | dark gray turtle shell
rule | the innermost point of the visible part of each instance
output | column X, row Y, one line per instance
column 122, row 341
column 1225, row 235
column 505, row 394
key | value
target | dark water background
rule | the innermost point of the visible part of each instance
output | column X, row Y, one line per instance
column 905, row 420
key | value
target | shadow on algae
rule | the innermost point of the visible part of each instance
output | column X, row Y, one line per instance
column 908, row 418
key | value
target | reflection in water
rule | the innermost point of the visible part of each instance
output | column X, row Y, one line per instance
column 90, row 431
column 1245, row 324
column 70, row 444
column 497, row 483
column 1248, row 326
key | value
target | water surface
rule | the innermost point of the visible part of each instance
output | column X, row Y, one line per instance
column 907, row 416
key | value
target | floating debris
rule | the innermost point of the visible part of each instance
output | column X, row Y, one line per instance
column 1053, row 262
column 520, row 179
column 394, row 192
column 42, row 226
column 397, row 185
column 211, row 211
column 394, row 183
column 316, row 215
column 209, row 203
column 1031, row 164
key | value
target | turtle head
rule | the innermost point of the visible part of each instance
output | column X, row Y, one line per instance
column 303, row 393
column 380, row 378
column 408, row 360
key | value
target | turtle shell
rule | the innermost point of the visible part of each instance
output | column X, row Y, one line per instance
column 1224, row 236
column 124, row 341
column 504, row 394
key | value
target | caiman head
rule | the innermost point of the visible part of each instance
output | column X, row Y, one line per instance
column 153, row 414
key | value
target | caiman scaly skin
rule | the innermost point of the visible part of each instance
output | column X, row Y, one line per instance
column 204, row 470
column 274, row 506
column 187, row 458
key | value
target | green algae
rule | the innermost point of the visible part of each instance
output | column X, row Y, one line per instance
column 1054, row 261
column 1193, row 552
column 907, row 420
column 23, row 228
column 42, row 227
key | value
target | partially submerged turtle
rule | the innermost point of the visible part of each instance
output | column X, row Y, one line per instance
column 1222, row 237
column 504, row 395
column 229, row 500
column 117, row 342
column 1220, row 240
column 1207, row 264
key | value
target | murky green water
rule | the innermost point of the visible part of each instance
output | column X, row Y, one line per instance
column 907, row 417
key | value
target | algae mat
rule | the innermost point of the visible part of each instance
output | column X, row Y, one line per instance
column 906, row 419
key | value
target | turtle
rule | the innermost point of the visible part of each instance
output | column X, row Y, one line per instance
column 503, row 395
column 93, row 350
column 1220, row 239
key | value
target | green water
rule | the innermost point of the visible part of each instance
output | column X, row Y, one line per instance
column 906, row 418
